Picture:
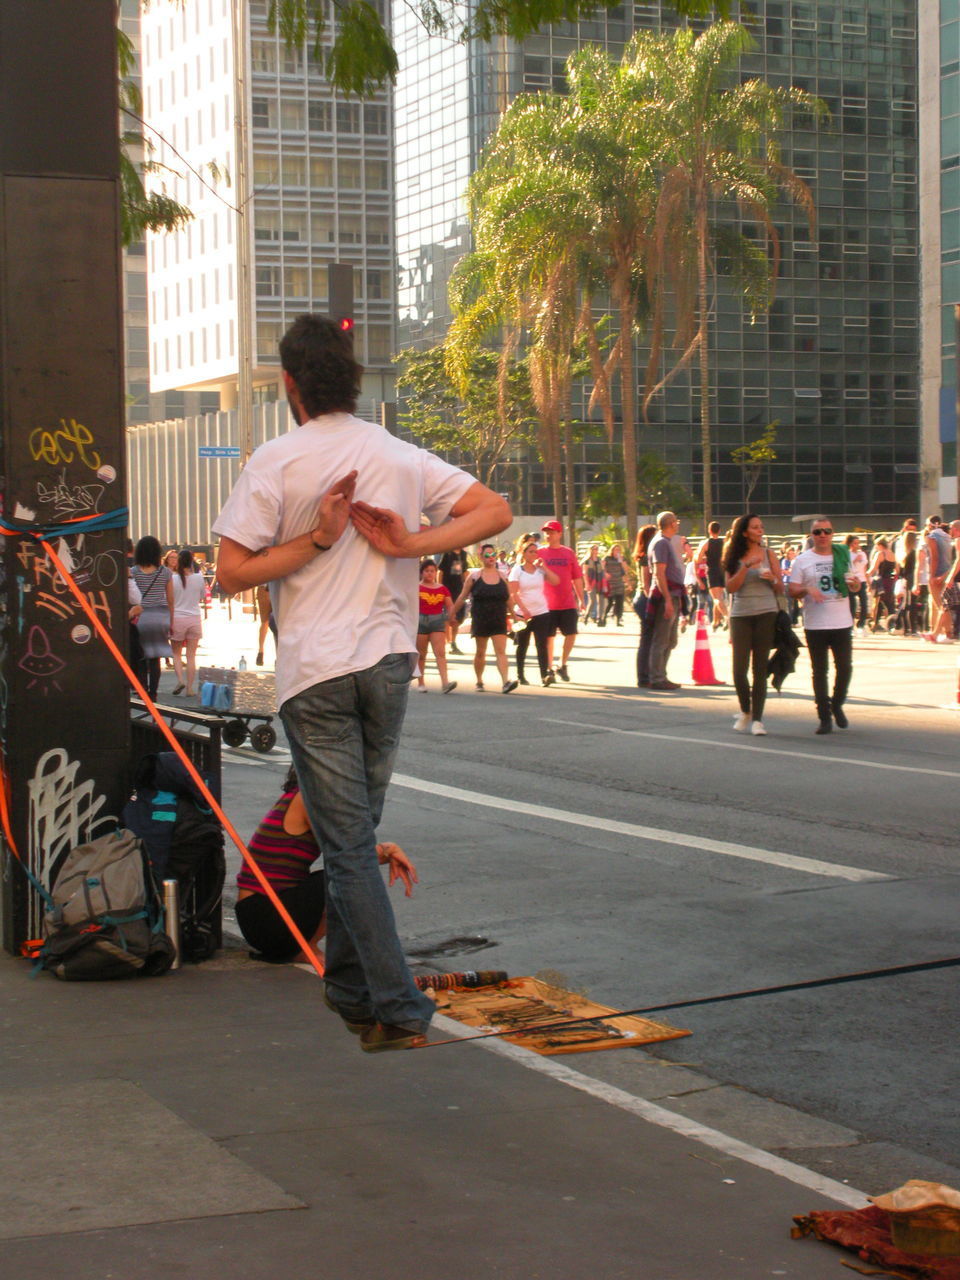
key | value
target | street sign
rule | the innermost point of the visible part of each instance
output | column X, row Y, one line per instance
column 219, row 451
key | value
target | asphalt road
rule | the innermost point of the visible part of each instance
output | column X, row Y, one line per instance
column 634, row 844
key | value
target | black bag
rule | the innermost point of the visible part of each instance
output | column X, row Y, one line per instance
column 184, row 842
column 104, row 918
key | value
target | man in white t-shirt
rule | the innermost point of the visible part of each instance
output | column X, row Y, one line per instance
column 329, row 515
column 827, row 623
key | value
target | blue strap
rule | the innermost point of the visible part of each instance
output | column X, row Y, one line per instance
column 116, row 519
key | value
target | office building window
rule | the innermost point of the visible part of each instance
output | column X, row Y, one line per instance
column 291, row 116
column 262, row 113
column 320, row 115
column 374, row 120
column 321, row 171
column 348, row 117
column 378, row 175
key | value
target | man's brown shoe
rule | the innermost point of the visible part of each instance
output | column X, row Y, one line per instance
column 355, row 1023
column 380, row 1038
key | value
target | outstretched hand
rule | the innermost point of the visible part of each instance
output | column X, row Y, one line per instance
column 334, row 510
column 383, row 529
column 401, row 868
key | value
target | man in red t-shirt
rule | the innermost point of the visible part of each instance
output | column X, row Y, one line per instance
column 565, row 597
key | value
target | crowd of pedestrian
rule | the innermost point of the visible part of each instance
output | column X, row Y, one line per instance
column 833, row 587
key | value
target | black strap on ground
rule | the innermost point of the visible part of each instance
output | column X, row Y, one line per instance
column 866, row 975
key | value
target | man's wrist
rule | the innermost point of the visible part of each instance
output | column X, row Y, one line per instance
column 319, row 546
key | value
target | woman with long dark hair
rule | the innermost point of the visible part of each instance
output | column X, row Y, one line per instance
column 189, row 590
column 155, row 582
column 753, row 578
column 644, row 583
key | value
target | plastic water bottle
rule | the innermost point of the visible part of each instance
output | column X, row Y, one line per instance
column 242, row 664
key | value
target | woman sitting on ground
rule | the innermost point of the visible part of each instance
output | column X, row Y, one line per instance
column 285, row 849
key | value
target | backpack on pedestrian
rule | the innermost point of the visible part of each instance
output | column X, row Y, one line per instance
column 104, row 917
column 184, row 842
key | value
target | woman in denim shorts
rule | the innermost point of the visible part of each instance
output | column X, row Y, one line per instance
column 436, row 613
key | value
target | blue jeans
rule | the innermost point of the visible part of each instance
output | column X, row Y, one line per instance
column 344, row 735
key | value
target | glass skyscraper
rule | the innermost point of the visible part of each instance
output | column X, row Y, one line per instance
column 836, row 360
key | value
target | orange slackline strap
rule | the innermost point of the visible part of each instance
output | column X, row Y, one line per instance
column 167, row 732
column 5, row 813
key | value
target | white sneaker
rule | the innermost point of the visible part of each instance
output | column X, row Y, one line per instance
column 742, row 723
column 758, row 730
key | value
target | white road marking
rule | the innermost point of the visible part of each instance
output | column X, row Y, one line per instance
column 813, row 866
column 765, row 750
column 650, row 1111
column 662, row 1117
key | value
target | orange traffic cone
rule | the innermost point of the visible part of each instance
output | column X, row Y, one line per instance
column 703, row 672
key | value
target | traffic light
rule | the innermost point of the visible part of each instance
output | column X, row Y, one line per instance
column 340, row 294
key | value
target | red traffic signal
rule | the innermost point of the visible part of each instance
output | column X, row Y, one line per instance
column 346, row 323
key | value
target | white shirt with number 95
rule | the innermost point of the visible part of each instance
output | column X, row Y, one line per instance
column 812, row 569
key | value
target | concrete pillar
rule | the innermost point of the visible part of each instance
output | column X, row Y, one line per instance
column 64, row 719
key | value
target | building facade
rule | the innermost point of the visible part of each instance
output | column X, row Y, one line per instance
column 836, row 360
column 939, row 52
column 320, row 191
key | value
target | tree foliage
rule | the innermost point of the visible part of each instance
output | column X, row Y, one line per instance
column 475, row 417
column 752, row 458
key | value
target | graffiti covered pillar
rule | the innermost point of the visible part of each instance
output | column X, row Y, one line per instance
column 64, row 724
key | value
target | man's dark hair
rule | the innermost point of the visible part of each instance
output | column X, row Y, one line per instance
column 318, row 356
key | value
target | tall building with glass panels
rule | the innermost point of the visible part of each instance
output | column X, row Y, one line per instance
column 940, row 243
column 836, row 358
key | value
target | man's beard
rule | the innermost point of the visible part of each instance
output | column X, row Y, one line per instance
column 294, row 409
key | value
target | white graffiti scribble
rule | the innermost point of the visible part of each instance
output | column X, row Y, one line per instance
column 64, row 812
column 70, row 499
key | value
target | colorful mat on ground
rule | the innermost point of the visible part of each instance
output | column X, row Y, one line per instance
column 522, row 1004
column 867, row 1233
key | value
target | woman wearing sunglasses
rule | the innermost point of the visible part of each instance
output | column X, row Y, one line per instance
column 487, row 589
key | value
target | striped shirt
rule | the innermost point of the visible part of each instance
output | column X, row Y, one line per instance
column 284, row 859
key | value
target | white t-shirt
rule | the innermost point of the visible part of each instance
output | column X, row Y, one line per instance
column 811, row 569
column 187, row 596
column 531, row 592
column 858, row 565
column 350, row 606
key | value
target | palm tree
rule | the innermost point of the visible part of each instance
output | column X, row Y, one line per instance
column 717, row 142
column 524, row 282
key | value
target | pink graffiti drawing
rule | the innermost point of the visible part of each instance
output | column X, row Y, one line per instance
column 39, row 661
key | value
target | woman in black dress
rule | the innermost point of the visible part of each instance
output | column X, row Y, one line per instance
column 487, row 589
column 710, row 554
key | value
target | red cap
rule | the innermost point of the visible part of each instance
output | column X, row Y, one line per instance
column 553, row 525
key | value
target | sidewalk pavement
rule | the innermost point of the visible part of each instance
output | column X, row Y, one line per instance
column 220, row 1121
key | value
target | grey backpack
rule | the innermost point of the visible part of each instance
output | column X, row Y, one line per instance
column 104, row 918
